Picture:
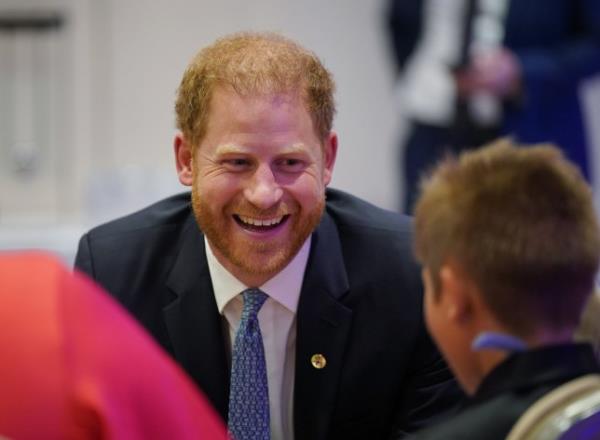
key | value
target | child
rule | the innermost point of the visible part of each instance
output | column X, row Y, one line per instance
column 509, row 243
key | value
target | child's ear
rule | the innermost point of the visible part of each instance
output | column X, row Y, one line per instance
column 457, row 288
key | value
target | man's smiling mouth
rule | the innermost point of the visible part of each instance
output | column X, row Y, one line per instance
column 260, row 224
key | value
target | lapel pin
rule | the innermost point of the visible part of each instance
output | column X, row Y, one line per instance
column 318, row 361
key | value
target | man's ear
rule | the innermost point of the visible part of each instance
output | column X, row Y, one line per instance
column 330, row 152
column 458, row 293
column 183, row 160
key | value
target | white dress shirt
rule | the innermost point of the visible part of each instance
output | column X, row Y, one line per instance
column 427, row 90
column 277, row 320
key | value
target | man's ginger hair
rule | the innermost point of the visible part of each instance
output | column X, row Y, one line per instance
column 520, row 221
column 253, row 64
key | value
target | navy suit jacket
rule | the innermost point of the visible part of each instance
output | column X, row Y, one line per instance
column 360, row 306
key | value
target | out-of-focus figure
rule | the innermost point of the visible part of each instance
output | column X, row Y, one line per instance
column 470, row 70
column 75, row 366
column 510, row 246
column 589, row 327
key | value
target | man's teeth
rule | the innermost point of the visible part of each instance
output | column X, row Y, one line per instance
column 261, row 222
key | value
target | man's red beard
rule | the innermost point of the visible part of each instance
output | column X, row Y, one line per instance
column 243, row 254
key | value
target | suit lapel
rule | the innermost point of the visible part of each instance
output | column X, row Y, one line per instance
column 323, row 325
column 193, row 321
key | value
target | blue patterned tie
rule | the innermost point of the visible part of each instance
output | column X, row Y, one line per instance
column 249, row 390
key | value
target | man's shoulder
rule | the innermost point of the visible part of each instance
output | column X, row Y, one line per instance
column 131, row 254
column 349, row 211
column 376, row 243
column 167, row 214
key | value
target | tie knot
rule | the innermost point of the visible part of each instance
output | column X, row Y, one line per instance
column 253, row 300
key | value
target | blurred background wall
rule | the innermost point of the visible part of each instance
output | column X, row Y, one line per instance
column 86, row 102
column 93, row 99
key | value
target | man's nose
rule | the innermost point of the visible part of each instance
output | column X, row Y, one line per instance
column 263, row 190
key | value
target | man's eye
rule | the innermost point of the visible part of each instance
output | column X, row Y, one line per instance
column 237, row 163
column 291, row 164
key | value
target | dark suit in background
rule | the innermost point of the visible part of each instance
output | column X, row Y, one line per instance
column 360, row 306
column 557, row 44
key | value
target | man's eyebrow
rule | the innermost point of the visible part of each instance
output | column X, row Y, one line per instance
column 230, row 149
column 237, row 149
column 294, row 148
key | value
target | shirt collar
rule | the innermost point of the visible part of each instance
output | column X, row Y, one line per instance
column 284, row 287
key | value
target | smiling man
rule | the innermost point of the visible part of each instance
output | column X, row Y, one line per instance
column 258, row 178
column 296, row 308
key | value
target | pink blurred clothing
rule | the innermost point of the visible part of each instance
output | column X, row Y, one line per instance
column 74, row 365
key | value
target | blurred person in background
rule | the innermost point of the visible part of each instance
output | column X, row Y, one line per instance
column 75, row 365
column 470, row 70
column 326, row 282
column 589, row 327
column 510, row 246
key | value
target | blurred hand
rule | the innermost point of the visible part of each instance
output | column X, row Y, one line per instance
column 497, row 72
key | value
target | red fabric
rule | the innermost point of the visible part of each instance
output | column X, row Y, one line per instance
column 73, row 364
